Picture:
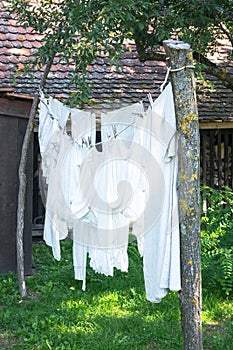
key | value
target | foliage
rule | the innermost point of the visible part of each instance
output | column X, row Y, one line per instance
column 200, row 23
column 77, row 31
column 112, row 314
column 217, row 239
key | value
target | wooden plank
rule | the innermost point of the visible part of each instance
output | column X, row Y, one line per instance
column 15, row 108
column 219, row 159
column 8, row 188
column 5, row 90
column 20, row 97
column 211, row 148
column 231, row 161
column 204, row 158
column 12, row 132
column 216, row 125
column 226, row 159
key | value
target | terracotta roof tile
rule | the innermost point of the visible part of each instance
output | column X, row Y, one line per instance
column 110, row 87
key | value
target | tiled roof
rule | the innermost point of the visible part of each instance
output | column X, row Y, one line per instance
column 110, row 88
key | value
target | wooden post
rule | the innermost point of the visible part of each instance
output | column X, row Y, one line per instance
column 22, row 186
column 183, row 85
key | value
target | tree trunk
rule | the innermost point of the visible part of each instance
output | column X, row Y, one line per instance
column 182, row 79
column 22, row 187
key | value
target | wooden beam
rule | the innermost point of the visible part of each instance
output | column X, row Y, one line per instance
column 15, row 108
column 216, row 125
column 5, row 90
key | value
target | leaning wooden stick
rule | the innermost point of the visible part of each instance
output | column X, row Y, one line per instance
column 22, row 185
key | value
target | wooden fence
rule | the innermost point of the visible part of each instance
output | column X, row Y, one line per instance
column 216, row 157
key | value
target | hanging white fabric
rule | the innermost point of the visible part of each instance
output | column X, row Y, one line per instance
column 158, row 231
column 99, row 194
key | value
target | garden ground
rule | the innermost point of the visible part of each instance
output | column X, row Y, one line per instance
column 112, row 314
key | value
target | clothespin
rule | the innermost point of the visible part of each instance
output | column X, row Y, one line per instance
column 114, row 129
column 150, row 99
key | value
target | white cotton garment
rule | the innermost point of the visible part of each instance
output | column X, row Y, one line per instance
column 48, row 126
column 79, row 259
column 110, row 190
column 120, row 122
column 57, row 212
column 107, row 242
column 65, row 200
column 158, row 227
column 83, row 127
column 64, row 204
column 123, row 123
column 69, row 179
column 59, row 110
column 54, row 230
column 52, row 118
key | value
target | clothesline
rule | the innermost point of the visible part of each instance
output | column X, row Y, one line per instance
column 114, row 136
column 53, row 116
column 148, row 97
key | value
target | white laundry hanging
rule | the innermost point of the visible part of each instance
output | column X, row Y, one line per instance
column 64, row 199
column 98, row 194
column 83, row 127
column 107, row 241
column 114, row 122
column 52, row 118
column 158, row 227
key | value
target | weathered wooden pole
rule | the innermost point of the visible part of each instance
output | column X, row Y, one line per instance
column 182, row 78
column 22, row 186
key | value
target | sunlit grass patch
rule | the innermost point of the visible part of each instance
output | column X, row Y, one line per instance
column 112, row 314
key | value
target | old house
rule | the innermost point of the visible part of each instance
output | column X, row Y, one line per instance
column 113, row 88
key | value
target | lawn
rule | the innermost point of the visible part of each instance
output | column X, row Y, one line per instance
column 112, row 314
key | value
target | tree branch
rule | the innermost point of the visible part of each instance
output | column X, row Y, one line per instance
column 209, row 66
column 146, row 55
column 22, row 185
column 218, row 72
column 152, row 56
column 226, row 32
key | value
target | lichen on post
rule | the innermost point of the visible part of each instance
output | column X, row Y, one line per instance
column 182, row 78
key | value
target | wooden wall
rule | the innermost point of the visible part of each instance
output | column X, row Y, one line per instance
column 13, row 121
column 216, row 156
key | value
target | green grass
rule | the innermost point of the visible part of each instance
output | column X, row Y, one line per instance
column 112, row 314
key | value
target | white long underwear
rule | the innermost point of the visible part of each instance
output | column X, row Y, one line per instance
column 158, row 227
column 64, row 202
column 107, row 240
